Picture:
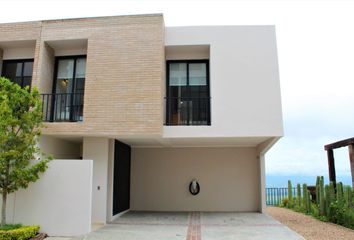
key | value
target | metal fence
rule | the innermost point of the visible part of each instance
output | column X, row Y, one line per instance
column 187, row 111
column 274, row 196
column 62, row 107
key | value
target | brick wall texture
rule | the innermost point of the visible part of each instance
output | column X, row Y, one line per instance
column 124, row 71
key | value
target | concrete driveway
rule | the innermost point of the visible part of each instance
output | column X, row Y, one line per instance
column 193, row 226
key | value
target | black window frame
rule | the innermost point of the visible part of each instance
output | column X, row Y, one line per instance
column 56, row 65
column 55, row 78
column 23, row 61
column 168, row 97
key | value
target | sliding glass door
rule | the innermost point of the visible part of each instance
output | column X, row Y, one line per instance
column 188, row 97
column 69, row 88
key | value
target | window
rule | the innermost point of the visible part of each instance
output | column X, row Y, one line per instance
column 18, row 71
column 188, row 94
column 69, row 88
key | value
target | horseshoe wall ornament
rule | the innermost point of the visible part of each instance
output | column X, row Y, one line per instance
column 194, row 187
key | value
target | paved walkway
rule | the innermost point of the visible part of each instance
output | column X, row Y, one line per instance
column 193, row 226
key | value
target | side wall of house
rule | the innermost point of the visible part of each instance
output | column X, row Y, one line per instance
column 228, row 178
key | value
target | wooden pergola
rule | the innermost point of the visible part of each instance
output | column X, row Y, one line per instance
column 329, row 148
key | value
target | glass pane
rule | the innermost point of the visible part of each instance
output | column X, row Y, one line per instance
column 199, row 111
column 18, row 69
column 80, row 85
column 80, row 68
column 12, row 70
column 17, row 80
column 178, row 111
column 62, row 107
column 77, row 106
column 27, row 70
column 178, row 74
column 26, row 81
column 65, row 69
column 64, row 77
column 197, row 74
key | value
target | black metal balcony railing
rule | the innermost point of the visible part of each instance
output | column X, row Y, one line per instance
column 62, row 107
column 187, row 111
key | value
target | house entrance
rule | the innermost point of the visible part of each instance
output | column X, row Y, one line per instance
column 121, row 177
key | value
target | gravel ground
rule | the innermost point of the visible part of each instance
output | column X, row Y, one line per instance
column 308, row 227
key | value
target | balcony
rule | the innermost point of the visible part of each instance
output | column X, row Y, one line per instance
column 62, row 107
column 194, row 111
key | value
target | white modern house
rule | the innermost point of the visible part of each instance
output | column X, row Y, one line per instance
column 144, row 117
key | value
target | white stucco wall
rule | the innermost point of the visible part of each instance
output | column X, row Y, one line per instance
column 110, row 178
column 60, row 201
column 18, row 53
column 60, row 148
column 97, row 149
column 244, row 80
column 228, row 177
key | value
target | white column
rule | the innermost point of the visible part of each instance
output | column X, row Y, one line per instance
column 97, row 149
column 110, row 181
column 262, row 204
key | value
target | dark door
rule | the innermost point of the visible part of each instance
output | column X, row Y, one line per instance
column 121, row 178
column 69, row 88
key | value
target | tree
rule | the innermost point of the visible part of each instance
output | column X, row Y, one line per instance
column 21, row 161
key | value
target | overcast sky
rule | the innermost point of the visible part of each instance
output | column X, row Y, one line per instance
column 316, row 60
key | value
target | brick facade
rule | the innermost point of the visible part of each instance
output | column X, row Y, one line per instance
column 124, row 71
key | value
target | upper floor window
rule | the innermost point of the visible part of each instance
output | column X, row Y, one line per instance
column 18, row 71
column 188, row 93
column 69, row 86
column 70, row 74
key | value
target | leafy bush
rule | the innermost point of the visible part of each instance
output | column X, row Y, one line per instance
column 284, row 203
column 22, row 233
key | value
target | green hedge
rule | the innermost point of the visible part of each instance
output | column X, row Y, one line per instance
column 22, row 233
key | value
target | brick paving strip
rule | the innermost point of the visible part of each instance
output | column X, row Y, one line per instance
column 194, row 231
column 309, row 227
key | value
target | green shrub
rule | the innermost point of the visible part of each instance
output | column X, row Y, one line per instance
column 285, row 203
column 348, row 218
column 7, row 227
column 22, row 233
